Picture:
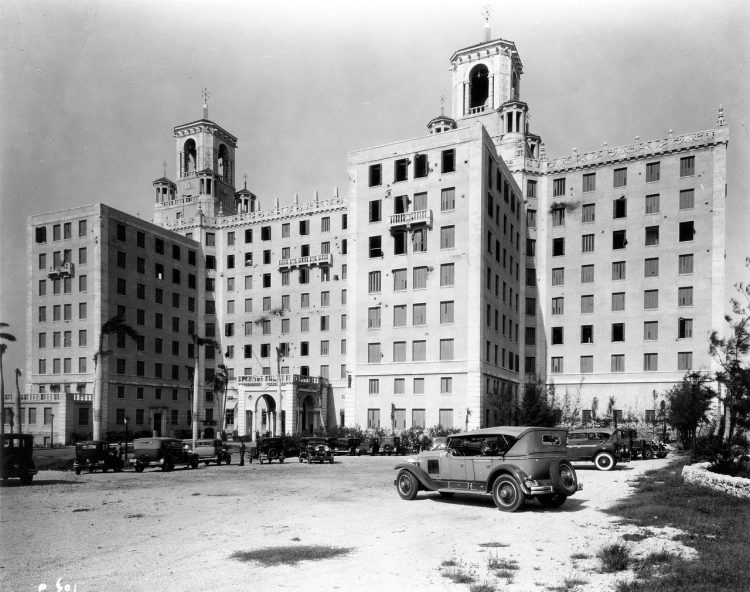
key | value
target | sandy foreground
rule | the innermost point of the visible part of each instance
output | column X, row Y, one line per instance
column 177, row 531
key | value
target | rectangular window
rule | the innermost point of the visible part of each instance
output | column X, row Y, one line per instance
column 530, row 247
column 558, row 247
column 558, row 305
column 558, row 276
column 448, row 161
column 446, row 312
column 399, row 280
column 620, row 207
column 650, row 299
column 587, row 334
column 685, row 328
column 373, row 282
column 446, row 387
column 687, row 166
column 399, row 315
column 687, row 231
column 620, row 177
column 373, row 353
column 530, row 307
column 618, row 301
column 373, row 317
column 684, row 360
column 419, row 240
column 556, row 365
column 587, row 274
column 685, row 264
column 419, row 314
column 419, row 351
column 587, row 243
column 589, row 182
column 587, row 304
column 587, row 364
column 652, row 236
column 531, row 218
column 687, row 199
column 373, row 415
column 588, row 213
column 653, row 172
column 617, row 363
column 651, row 330
column 557, row 336
column 531, row 188
column 447, row 237
column 650, row 362
column 399, row 351
column 446, row 274
column 558, row 217
column 618, row 332
column 618, row 270
column 447, row 199
column 651, row 267
column 375, row 175
column 375, row 247
column 685, row 296
column 652, row 204
column 400, row 170
column 558, row 187
column 420, row 278
column 421, row 166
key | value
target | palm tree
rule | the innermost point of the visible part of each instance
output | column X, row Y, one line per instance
column 198, row 342
column 221, row 378
column 3, row 347
column 18, row 401
column 114, row 326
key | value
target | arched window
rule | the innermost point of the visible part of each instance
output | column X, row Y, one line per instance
column 479, row 79
column 189, row 156
column 514, row 86
column 222, row 162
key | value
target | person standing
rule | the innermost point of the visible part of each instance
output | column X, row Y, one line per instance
column 242, row 453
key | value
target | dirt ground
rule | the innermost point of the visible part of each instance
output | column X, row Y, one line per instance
column 177, row 531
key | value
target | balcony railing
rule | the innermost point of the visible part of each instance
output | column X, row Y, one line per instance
column 409, row 219
column 307, row 261
column 35, row 396
column 271, row 380
column 61, row 270
column 475, row 110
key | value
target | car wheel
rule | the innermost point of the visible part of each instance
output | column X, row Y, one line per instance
column 507, row 494
column 564, row 478
column 167, row 466
column 552, row 500
column 26, row 478
column 330, row 460
column 78, row 471
column 138, row 468
column 407, row 485
column 194, row 463
column 228, row 459
column 604, row 461
column 648, row 453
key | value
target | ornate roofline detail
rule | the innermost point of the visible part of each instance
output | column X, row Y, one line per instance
column 204, row 126
column 486, row 49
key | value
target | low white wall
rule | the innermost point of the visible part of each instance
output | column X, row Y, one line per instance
column 700, row 475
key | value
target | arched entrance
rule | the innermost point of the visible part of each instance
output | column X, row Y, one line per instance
column 309, row 411
column 265, row 415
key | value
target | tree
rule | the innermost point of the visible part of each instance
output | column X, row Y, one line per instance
column 728, row 352
column 688, row 404
column 198, row 343
column 538, row 406
column 219, row 387
column 3, row 347
column 114, row 326
column 500, row 400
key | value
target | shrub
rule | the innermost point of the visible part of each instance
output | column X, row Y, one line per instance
column 614, row 557
column 727, row 458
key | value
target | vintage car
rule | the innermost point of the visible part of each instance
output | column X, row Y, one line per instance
column 166, row 453
column 211, row 450
column 510, row 463
column 315, row 450
column 343, row 445
column 16, row 458
column 391, row 445
column 605, row 447
column 369, row 446
column 272, row 448
column 96, row 454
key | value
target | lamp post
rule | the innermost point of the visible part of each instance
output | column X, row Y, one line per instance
column 125, row 421
column 52, row 430
column 694, row 383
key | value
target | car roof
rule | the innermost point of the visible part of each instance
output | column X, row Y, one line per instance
column 596, row 430
column 515, row 431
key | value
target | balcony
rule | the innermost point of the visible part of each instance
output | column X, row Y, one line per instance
column 307, row 261
column 411, row 219
column 62, row 270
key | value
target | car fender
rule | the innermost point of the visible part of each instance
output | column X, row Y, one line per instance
column 424, row 479
column 508, row 469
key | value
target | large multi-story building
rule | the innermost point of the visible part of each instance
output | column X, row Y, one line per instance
column 466, row 261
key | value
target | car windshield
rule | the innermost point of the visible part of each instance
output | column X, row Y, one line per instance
column 494, row 445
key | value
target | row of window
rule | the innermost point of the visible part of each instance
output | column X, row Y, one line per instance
column 419, row 314
column 417, row 386
column 62, row 365
column 284, row 349
column 500, row 360
column 286, row 253
column 64, row 256
column 511, row 298
column 174, row 416
column 512, row 335
column 650, row 300
column 63, row 285
column 421, row 167
column 445, row 418
column 418, row 241
column 617, row 333
column 265, row 325
column 419, row 278
column 62, row 312
column 619, row 177
column 323, row 371
column 418, row 202
column 266, row 231
column 62, row 231
column 418, row 351
column 617, row 363
column 304, row 276
column 325, row 301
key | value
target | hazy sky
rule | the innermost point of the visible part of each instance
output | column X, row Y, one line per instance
column 91, row 91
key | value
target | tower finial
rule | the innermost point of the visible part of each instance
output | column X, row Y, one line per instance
column 487, row 12
column 245, row 177
column 720, row 121
column 442, row 104
column 205, row 94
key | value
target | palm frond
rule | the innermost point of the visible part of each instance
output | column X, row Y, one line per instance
column 7, row 337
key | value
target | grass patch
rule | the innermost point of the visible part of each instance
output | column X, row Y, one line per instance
column 495, row 563
column 494, row 545
column 459, row 576
column 580, row 556
column 290, row 555
column 82, row 510
column 717, row 526
column 614, row 557
column 482, row 587
column 134, row 516
column 506, row 574
column 449, row 563
column 637, row 536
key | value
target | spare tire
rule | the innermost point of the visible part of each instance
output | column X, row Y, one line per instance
column 272, row 453
column 564, row 478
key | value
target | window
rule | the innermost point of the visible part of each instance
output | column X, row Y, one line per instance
column 558, row 187
column 446, row 274
column 685, row 264
column 418, row 351
column 530, row 307
column 651, row 330
column 685, row 296
column 620, row 177
column 617, row 363
column 376, row 175
column 448, row 161
column 419, row 314
column 446, row 387
column 618, row 270
column 265, row 233
column 651, row 267
column 620, row 207
column 419, row 280
column 652, row 204
column 684, row 360
column 557, row 335
column 685, row 328
column 530, row 247
column 588, row 213
column 650, row 299
column 120, row 232
column 687, row 166
column 587, row 274
column 653, row 172
column 421, row 166
column 587, row 304
column 304, row 227
column 447, row 237
column 587, row 334
column 650, row 362
column 399, row 315
column 687, row 231
column 373, row 282
column 419, row 240
column 556, row 365
column 373, row 317
column 619, row 240
column 400, row 170
column 375, row 245
column 618, row 301
column 558, row 276
column 558, row 247
column 652, row 236
column 589, row 182
column 587, row 243
column 687, row 199
column 558, row 216
column 447, row 199
column 618, row 332
column 446, row 312
column 531, row 218
column 587, row 364
column 531, row 188
column 558, row 305
column 373, row 353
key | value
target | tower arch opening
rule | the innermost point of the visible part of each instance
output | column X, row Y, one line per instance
column 479, row 83
column 190, row 153
column 221, row 161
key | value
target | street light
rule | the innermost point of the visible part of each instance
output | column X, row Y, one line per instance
column 695, row 379
column 125, row 421
column 52, row 430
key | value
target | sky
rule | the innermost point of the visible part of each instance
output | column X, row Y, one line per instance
column 92, row 89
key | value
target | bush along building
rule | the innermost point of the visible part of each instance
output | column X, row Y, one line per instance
column 459, row 266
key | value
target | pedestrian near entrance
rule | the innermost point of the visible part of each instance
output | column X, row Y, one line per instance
column 242, row 453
